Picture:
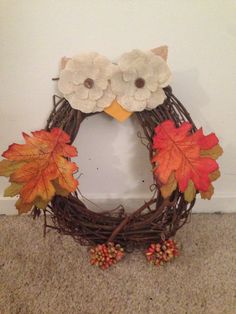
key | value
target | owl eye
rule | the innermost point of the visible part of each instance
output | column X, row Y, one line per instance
column 139, row 82
column 84, row 82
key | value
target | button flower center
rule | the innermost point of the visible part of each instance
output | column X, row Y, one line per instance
column 89, row 83
column 139, row 83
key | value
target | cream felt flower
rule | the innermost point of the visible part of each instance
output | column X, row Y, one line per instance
column 139, row 80
column 84, row 82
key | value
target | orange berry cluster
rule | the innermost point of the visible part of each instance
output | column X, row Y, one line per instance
column 105, row 255
column 159, row 254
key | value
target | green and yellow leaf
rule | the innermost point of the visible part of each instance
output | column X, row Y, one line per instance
column 213, row 153
column 41, row 203
column 208, row 194
column 169, row 187
column 13, row 190
column 8, row 167
column 190, row 192
column 214, row 175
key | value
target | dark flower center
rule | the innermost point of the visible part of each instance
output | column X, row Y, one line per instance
column 140, row 82
column 89, row 83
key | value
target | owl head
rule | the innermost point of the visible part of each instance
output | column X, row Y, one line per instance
column 92, row 83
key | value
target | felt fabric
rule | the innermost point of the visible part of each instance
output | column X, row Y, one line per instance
column 138, row 80
column 116, row 111
column 84, row 83
column 91, row 82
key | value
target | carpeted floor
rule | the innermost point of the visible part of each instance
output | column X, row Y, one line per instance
column 52, row 275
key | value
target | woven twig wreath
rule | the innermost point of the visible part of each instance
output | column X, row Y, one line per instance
column 183, row 158
column 155, row 220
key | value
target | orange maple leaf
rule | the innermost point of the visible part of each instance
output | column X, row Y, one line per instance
column 40, row 168
column 178, row 152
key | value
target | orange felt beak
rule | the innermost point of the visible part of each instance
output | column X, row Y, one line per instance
column 116, row 111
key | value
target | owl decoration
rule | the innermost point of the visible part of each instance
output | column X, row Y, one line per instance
column 183, row 159
column 92, row 83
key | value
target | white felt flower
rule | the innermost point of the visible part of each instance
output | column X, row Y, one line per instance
column 139, row 80
column 84, row 82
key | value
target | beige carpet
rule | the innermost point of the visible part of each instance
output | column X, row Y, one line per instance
column 52, row 275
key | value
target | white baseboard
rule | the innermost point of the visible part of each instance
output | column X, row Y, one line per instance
column 220, row 203
column 7, row 206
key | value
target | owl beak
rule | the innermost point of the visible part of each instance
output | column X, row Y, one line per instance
column 116, row 111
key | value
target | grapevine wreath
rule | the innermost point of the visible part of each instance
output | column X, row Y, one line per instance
column 183, row 159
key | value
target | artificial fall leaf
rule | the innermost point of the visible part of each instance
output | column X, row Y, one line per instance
column 40, row 203
column 39, row 168
column 208, row 194
column 214, row 152
column 179, row 151
column 40, row 145
column 59, row 190
column 190, row 192
column 13, row 190
column 214, row 175
column 169, row 187
column 23, row 207
column 8, row 167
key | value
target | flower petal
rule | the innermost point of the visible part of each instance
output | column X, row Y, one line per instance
column 117, row 83
column 128, row 59
column 130, row 75
column 88, row 71
column 101, row 62
column 102, row 82
column 95, row 92
column 85, row 59
column 142, row 93
column 131, row 104
column 71, row 65
column 144, row 70
column 157, row 98
column 105, row 100
column 82, row 92
column 120, row 87
column 84, row 105
column 65, row 83
column 87, row 106
column 151, row 83
column 79, row 76
column 162, row 71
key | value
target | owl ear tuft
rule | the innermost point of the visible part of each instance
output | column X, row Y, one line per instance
column 161, row 51
column 64, row 61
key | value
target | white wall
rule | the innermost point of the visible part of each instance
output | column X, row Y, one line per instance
column 35, row 34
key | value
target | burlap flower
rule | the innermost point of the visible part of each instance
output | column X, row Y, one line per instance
column 84, row 82
column 139, row 80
